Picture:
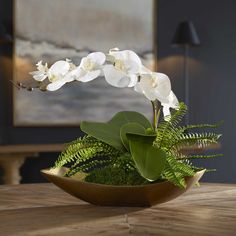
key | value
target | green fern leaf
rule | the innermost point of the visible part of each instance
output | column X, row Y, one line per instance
column 202, row 126
column 167, row 128
column 85, row 152
column 176, row 171
column 199, row 157
column 199, row 139
column 92, row 164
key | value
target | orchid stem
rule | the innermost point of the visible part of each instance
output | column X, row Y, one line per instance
column 158, row 116
column 154, row 109
column 156, row 113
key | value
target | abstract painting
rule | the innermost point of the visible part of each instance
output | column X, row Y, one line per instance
column 59, row 29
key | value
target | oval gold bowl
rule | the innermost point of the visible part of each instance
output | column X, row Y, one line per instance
column 110, row 195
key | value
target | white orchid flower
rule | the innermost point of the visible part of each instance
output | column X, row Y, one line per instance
column 90, row 67
column 124, row 68
column 59, row 74
column 157, row 86
column 154, row 86
column 41, row 73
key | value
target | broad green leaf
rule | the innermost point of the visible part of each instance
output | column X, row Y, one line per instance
column 143, row 138
column 107, row 133
column 133, row 128
column 125, row 117
column 149, row 161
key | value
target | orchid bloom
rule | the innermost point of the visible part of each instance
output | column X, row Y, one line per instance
column 154, row 86
column 124, row 68
column 90, row 67
column 59, row 73
column 41, row 73
column 157, row 86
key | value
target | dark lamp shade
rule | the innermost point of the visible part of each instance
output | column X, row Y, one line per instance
column 4, row 36
column 186, row 34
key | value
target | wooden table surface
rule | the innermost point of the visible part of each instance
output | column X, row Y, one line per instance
column 43, row 209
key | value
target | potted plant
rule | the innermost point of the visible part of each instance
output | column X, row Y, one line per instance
column 128, row 160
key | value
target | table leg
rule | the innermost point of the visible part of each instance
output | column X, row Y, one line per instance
column 11, row 168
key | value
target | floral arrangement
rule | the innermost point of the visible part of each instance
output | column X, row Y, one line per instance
column 128, row 149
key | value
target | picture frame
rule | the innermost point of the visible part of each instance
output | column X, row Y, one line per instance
column 77, row 28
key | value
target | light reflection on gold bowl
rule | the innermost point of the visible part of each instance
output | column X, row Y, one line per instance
column 110, row 195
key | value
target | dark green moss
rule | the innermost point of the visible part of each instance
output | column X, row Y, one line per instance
column 115, row 176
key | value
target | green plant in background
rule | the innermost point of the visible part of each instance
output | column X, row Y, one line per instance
column 128, row 149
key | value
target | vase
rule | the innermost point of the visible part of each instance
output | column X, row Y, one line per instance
column 111, row 195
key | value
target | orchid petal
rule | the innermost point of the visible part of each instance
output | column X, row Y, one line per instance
column 146, row 87
column 69, row 77
column 41, row 67
column 144, row 70
column 131, row 66
column 160, row 97
column 115, row 77
column 166, row 112
column 133, row 80
column 59, row 68
column 89, row 76
column 76, row 73
column 163, row 84
column 97, row 57
column 172, row 103
column 172, row 100
column 126, row 55
column 38, row 75
column 138, row 88
column 55, row 85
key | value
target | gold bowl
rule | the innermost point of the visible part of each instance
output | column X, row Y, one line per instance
column 111, row 195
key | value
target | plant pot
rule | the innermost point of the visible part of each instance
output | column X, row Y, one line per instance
column 110, row 195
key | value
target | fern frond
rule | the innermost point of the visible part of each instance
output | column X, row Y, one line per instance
column 176, row 171
column 167, row 128
column 202, row 168
column 202, row 126
column 199, row 157
column 125, row 161
column 172, row 135
column 82, row 154
column 87, row 166
column 199, row 139
column 70, row 153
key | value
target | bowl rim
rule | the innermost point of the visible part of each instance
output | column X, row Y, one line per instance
column 47, row 172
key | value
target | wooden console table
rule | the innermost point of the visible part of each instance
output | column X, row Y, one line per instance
column 12, row 158
column 44, row 209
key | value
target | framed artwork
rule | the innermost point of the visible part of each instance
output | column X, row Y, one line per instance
column 58, row 29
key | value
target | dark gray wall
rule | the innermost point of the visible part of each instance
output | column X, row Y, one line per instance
column 212, row 69
column 211, row 89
